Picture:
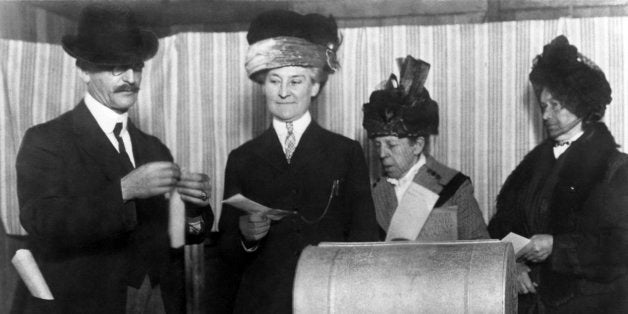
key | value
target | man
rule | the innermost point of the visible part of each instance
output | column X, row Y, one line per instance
column 569, row 195
column 296, row 165
column 92, row 186
column 400, row 119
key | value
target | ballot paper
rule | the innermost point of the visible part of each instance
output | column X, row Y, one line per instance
column 176, row 220
column 28, row 270
column 518, row 242
column 411, row 213
column 253, row 208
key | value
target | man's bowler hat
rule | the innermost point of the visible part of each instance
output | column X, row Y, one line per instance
column 108, row 34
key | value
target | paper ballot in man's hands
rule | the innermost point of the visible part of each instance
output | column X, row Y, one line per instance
column 252, row 208
column 31, row 275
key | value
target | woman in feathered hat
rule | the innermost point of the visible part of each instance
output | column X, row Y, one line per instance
column 569, row 195
column 319, row 177
column 416, row 188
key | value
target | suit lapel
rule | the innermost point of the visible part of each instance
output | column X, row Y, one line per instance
column 141, row 149
column 92, row 140
column 268, row 148
column 310, row 148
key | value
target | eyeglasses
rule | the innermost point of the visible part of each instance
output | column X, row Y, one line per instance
column 120, row 69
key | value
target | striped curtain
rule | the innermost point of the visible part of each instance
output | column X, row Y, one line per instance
column 197, row 98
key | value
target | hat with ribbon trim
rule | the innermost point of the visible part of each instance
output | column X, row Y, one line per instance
column 282, row 38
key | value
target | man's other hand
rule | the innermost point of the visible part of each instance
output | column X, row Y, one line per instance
column 194, row 188
column 149, row 180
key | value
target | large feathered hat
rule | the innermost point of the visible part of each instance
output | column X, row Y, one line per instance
column 108, row 34
column 403, row 108
column 573, row 78
column 281, row 38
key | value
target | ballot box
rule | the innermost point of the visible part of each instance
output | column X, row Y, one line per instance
column 406, row 277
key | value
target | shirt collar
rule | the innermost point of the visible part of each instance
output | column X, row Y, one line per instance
column 409, row 176
column 105, row 117
column 560, row 149
column 299, row 125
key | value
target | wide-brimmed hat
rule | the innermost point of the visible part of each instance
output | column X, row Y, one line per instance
column 108, row 34
column 403, row 107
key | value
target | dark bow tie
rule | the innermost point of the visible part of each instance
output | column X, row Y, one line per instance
column 558, row 144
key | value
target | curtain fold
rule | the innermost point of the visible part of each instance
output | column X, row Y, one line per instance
column 197, row 98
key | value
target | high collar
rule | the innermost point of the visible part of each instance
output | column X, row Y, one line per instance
column 299, row 126
column 410, row 174
column 105, row 117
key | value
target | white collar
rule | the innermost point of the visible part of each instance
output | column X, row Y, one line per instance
column 559, row 150
column 298, row 127
column 409, row 176
column 105, row 117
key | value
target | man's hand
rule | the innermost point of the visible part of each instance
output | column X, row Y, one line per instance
column 149, row 180
column 538, row 249
column 194, row 188
column 524, row 284
column 254, row 227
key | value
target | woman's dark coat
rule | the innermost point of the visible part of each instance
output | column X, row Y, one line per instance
column 581, row 199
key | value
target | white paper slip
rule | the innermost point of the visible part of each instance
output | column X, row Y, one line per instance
column 411, row 213
column 31, row 275
column 518, row 242
column 176, row 220
column 253, row 208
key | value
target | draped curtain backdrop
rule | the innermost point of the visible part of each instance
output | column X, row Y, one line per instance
column 197, row 98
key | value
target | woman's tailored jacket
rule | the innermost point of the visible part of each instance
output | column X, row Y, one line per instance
column 259, row 171
column 582, row 201
column 437, row 178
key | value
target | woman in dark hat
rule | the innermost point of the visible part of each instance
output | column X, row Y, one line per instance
column 319, row 177
column 569, row 195
column 416, row 188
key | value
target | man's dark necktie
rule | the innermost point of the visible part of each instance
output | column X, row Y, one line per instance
column 123, row 154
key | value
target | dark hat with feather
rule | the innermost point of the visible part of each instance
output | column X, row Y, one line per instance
column 402, row 108
column 281, row 38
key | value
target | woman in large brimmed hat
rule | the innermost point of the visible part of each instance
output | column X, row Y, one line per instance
column 569, row 195
column 400, row 118
column 317, row 176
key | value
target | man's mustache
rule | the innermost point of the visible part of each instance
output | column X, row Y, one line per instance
column 127, row 88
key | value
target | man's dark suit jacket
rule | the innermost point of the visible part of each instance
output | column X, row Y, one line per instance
column 259, row 171
column 89, row 244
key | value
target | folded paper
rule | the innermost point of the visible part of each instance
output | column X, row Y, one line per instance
column 28, row 270
column 176, row 221
column 253, row 208
column 518, row 242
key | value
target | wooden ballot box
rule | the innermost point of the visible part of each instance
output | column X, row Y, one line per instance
column 406, row 277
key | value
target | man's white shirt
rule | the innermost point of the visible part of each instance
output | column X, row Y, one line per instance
column 107, row 119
